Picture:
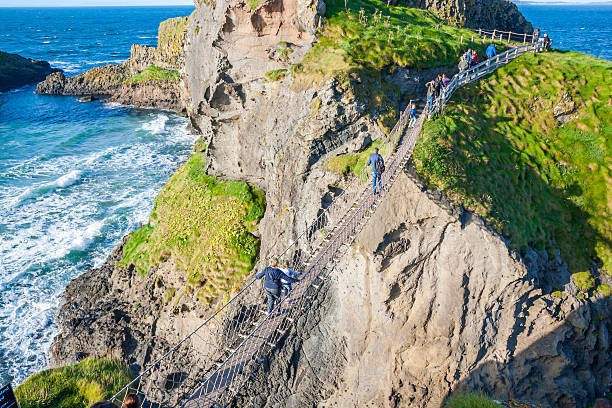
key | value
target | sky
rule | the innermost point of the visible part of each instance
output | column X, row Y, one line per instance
column 78, row 3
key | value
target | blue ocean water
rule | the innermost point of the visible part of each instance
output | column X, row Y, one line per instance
column 584, row 28
column 74, row 177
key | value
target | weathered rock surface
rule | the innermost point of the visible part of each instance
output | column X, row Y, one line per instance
column 150, row 94
column 97, row 81
column 17, row 71
column 486, row 14
column 424, row 304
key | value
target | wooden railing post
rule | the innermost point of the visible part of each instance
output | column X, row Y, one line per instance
column 508, row 36
column 525, row 39
column 493, row 35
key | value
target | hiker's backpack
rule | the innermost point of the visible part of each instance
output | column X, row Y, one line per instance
column 379, row 165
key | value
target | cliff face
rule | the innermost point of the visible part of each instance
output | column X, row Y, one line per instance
column 429, row 301
column 16, row 71
column 485, row 14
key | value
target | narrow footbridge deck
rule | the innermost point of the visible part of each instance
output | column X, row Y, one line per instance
column 232, row 344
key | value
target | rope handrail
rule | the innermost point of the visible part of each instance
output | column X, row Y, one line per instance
column 229, row 350
column 503, row 35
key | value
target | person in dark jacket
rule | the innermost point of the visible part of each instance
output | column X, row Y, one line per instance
column 375, row 161
column 131, row 401
column 547, row 42
column 273, row 283
column 445, row 81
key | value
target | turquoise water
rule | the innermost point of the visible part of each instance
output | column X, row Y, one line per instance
column 74, row 177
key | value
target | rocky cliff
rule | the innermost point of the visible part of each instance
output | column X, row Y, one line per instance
column 429, row 300
column 496, row 14
column 17, row 71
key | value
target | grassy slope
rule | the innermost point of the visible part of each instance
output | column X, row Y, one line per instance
column 500, row 152
column 204, row 225
column 153, row 73
column 469, row 400
column 75, row 386
column 369, row 38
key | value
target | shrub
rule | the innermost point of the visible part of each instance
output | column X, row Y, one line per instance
column 604, row 289
column 584, row 281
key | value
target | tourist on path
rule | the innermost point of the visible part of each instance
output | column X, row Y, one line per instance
column 463, row 64
column 536, row 35
column 445, row 81
column 273, row 283
column 491, row 51
column 413, row 117
column 378, row 167
column 437, row 85
column 103, row 404
column 430, row 94
column 290, row 273
column 547, row 42
column 474, row 58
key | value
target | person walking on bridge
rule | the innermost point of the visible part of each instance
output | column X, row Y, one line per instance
column 491, row 51
column 413, row 117
column 273, row 283
column 288, row 272
column 378, row 167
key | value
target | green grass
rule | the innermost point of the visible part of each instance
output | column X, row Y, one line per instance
column 205, row 226
column 604, row 289
column 584, row 281
column 370, row 36
column 469, row 400
column 74, row 386
column 276, row 74
column 153, row 73
column 351, row 163
column 557, row 294
column 500, row 152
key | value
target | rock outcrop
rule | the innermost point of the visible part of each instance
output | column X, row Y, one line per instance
column 113, row 81
column 17, row 71
column 486, row 14
column 429, row 301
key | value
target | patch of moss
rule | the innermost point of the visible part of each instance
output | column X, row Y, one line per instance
column 276, row 74
column 557, row 294
column 205, row 226
column 499, row 151
column 74, row 386
column 604, row 289
column 153, row 73
column 584, row 280
column 170, row 38
column 168, row 295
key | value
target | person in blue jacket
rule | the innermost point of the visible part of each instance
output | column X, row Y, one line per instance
column 273, row 283
column 377, row 163
column 491, row 51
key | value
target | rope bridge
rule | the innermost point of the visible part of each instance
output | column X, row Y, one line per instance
column 209, row 367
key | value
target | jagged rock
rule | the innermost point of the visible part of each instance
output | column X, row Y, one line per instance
column 17, row 71
column 97, row 81
column 421, row 306
column 86, row 98
column 153, row 94
column 563, row 110
column 486, row 14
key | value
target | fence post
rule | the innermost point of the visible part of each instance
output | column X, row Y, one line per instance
column 525, row 39
column 493, row 35
column 472, row 38
column 508, row 36
column 462, row 39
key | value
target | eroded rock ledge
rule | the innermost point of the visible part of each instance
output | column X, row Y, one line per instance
column 17, row 71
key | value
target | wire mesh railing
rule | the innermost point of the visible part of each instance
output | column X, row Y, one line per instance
column 210, row 365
